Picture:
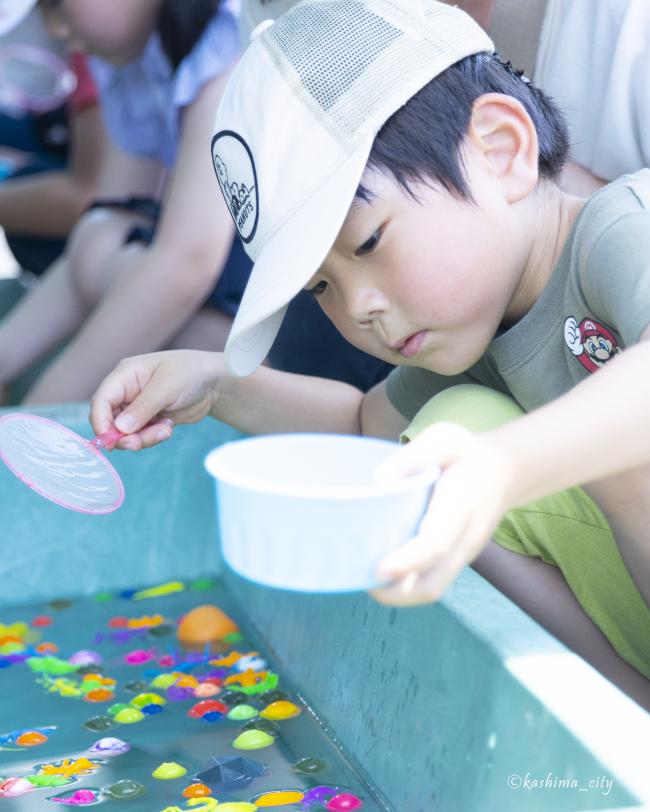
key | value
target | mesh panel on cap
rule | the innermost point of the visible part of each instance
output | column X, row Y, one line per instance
column 321, row 43
column 353, row 65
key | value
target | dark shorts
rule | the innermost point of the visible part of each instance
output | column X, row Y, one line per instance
column 34, row 253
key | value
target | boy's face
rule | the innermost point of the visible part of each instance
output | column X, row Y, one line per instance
column 424, row 282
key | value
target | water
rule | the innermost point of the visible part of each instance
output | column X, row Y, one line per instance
column 169, row 736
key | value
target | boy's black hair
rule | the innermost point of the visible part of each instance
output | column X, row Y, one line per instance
column 422, row 140
column 181, row 24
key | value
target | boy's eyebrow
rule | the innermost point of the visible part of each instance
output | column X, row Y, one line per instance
column 363, row 195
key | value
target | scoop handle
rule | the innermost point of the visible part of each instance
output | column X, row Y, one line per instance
column 107, row 438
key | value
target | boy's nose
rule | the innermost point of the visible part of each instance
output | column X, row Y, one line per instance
column 363, row 304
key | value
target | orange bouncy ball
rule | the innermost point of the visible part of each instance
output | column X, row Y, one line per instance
column 31, row 738
column 205, row 624
column 197, row 791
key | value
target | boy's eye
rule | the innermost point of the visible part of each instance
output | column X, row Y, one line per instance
column 369, row 245
column 317, row 289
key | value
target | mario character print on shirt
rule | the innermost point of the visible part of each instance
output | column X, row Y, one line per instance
column 592, row 343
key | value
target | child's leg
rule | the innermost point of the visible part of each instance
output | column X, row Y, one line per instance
column 152, row 294
column 208, row 330
column 101, row 235
column 58, row 305
column 46, row 315
column 558, row 551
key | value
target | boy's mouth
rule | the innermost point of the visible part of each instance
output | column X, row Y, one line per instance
column 411, row 345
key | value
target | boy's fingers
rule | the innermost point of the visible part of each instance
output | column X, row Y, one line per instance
column 439, row 535
column 438, row 445
column 152, row 400
column 105, row 404
column 416, row 588
column 157, row 433
column 147, row 437
column 120, row 387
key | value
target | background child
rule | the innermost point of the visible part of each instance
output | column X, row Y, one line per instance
column 162, row 68
column 594, row 59
column 461, row 261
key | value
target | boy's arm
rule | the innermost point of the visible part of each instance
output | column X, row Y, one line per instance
column 596, row 430
column 271, row 401
column 152, row 392
column 379, row 418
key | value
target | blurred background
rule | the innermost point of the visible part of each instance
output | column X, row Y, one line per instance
column 8, row 265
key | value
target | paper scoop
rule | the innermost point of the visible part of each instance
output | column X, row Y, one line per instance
column 61, row 465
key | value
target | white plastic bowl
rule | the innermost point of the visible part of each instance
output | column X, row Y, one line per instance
column 303, row 512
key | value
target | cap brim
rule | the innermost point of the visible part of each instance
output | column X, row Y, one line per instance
column 12, row 12
column 288, row 261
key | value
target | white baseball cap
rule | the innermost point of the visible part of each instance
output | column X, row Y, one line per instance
column 295, row 128
column 12, row 12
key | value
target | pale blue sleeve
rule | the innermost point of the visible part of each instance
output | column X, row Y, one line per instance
column 214, row 53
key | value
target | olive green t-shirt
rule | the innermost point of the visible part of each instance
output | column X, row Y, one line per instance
column 596, row 303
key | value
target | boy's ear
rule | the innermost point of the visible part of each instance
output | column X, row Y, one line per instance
column 506, row 137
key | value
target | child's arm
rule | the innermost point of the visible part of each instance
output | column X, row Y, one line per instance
column 596, row 430
column 185, row 386
column 48, row 204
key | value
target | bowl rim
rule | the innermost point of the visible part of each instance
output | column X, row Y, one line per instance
column 423, row 479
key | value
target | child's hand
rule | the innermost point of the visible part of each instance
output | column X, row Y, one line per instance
column 146, row 395
column 468, row 502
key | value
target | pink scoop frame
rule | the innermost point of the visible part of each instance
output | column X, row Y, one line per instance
column 116, row 477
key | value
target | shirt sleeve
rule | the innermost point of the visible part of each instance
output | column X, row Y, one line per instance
column 409, row 388
column 215, row 52
column 616, row 276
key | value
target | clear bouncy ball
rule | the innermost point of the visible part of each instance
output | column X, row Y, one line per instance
column 60, row 465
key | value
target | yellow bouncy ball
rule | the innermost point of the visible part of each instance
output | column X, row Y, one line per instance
column 228, row 660
column 187, row 681
column 169, row 770
column 145, row 622
column 165, row 680
column 128, row 716
column 253, row 740
column 69, row 767
column 279, row 798
column 142, row 700
column 280, row 710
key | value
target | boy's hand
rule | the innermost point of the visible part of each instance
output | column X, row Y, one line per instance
column 146, row 395
column 468, row 502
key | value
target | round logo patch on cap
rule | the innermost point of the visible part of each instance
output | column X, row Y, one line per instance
column 235, row 168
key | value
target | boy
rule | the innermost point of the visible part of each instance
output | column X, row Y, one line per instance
column 380, row 155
